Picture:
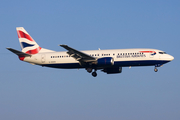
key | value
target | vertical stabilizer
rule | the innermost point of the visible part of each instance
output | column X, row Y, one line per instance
column 28, row 45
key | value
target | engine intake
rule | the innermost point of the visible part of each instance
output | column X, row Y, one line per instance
column 106, row 61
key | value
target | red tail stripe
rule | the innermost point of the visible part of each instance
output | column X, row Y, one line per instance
column 24, row 35
column 21, row 58
column 35, row 51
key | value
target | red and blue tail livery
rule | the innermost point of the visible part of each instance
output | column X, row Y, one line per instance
column 28, row 45
column 108, row 61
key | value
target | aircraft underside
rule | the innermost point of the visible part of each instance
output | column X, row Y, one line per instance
column 116, row 64
column 116, row 68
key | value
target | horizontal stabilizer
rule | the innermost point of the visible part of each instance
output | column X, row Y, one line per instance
column 19, row 53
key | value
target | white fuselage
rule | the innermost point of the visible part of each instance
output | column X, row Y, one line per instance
column 122, row 57
column 108, row 61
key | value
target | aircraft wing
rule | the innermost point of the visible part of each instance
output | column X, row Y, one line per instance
column 78, row 55
column 19, row 53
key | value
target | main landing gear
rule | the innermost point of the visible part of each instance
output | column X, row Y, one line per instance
column 94, row 74
column 89, row 70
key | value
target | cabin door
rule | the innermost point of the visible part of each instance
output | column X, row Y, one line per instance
column 43, row 58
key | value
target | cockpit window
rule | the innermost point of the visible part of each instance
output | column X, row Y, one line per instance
column 162, row 52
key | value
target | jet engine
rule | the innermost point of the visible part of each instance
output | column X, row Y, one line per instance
column 112, row 70
column 106, row 61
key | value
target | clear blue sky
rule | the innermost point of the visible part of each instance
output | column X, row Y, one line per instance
column 30, row 92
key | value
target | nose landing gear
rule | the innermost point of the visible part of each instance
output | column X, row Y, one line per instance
column 157, row 65
column 155, row 69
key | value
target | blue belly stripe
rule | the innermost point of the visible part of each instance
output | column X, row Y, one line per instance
column 116, row 64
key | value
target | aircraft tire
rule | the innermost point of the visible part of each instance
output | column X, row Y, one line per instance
column 155, row 70
column 89, row 70
column 94, row 74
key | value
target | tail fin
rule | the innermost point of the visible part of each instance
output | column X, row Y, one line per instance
column 28, row 45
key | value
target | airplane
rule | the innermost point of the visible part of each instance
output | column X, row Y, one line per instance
column 108, row 61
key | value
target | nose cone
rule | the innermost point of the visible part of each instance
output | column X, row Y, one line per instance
column 171, row 58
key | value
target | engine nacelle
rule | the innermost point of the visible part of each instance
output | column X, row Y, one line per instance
column 112, row 70
column 106, row 61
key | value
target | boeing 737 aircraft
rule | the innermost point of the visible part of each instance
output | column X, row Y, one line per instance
column 108, row 61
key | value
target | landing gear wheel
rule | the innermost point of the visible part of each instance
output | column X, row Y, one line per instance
column 89, row 70
column 155, row 69
column 94, row 74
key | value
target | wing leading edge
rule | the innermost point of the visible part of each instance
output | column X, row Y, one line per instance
column 78, row 55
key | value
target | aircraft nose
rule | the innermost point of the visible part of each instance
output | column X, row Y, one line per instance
column 171, row 57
